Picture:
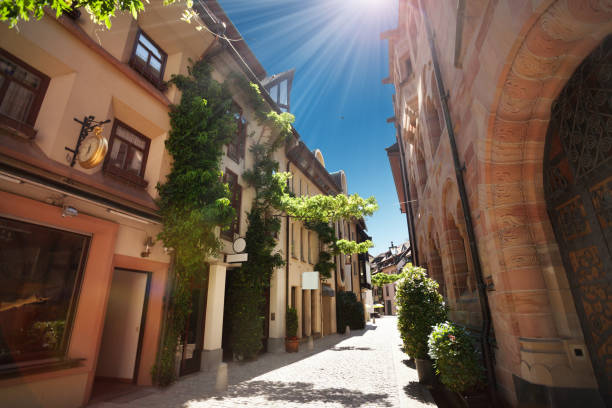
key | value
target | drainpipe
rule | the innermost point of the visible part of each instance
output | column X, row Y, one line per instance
column 407, row 198
column 287, row 256
column 465, row 205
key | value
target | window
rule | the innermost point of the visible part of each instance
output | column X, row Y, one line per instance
column 40, row 279
column 309, row 256
column 148, row 59
column 387, row 289
column 280, row 94
column 302, row 244
column 128, row 153
column 300, row 187
column 293, row 254
column 22, row 90
column 408, row 69
column 236, row 201
column 236, row 148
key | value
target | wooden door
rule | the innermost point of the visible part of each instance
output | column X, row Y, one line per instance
column 578, row 185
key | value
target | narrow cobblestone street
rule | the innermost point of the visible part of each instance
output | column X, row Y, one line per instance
column 365, row 369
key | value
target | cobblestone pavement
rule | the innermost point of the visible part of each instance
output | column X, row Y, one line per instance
column 365, row 369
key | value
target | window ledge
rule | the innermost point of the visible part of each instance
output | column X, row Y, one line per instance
column 16, row 128
column 37, row 367
column 125, row 177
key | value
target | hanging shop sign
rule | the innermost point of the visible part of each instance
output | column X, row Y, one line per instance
column 310, row 280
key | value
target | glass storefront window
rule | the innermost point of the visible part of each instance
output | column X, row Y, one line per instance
column 40, row 277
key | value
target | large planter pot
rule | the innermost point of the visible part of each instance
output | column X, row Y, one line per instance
column 476, row 399
column 292, row 344
column 424, row 370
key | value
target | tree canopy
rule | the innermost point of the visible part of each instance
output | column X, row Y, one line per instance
column 101, row 11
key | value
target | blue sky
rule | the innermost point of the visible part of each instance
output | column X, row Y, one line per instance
column 338, row 99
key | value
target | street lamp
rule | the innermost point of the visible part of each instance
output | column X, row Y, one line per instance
column 393, row 249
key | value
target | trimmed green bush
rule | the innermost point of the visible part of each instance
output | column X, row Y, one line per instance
column 455, row 357
column 292, row 322
column 349, row 311
column 420, row 307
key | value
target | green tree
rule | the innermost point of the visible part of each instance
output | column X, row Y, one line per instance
column 101, row 11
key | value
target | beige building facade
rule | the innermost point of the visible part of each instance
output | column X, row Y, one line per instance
column 499, row 117
column 76, row 238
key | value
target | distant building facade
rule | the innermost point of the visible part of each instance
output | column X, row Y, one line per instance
column 390, row 262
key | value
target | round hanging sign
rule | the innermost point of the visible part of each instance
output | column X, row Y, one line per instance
column 239, row 245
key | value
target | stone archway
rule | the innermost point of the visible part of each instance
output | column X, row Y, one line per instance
column 527, row 257
column 578, row 186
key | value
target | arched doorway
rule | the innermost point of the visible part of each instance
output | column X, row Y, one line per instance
column 578, row 187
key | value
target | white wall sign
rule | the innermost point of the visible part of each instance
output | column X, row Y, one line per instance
column 236, row 258
column 310, row 280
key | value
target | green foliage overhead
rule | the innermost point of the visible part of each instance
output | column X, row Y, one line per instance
column 381, row 279
column 455, row 357
column 352, row 247
column 292, row 322
column 193, row 201
column 101, row 11
column 327, row 208
column 420, row 307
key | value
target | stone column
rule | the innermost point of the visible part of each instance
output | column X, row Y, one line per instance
column 213, row 332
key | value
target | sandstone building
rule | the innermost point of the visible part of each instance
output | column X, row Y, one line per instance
column 504, row 139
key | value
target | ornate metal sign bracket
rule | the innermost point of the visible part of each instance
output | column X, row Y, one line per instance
column 88, row 124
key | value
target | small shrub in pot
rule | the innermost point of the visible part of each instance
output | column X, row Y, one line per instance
column 292, row 323
column 420, row 307
column 455, row 358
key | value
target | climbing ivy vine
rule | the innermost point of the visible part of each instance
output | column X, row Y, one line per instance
column 193, row 202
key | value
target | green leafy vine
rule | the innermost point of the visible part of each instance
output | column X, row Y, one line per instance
column 193, row 202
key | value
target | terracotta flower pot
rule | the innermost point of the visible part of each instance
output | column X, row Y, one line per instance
column 292, row 344
column 424, row 370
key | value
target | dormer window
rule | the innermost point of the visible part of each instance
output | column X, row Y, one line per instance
column 279, row 93
column 279, row 89
column 149, row 59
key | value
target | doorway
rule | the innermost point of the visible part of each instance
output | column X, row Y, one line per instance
column 578, row 187
column 192, row 339
column 123, row 331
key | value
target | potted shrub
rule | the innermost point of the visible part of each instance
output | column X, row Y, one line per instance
column 420, row 307
column 456, row 362
column 291, row 341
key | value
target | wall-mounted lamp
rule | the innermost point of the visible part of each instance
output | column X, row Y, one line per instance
column 8, row 178
column 68, row 211
column 147, row 249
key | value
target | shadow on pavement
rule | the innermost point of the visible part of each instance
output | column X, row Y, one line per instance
column 301, row 392
column 410, row 363
column 240, row 371
column 346, row 348
column 415, row 391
